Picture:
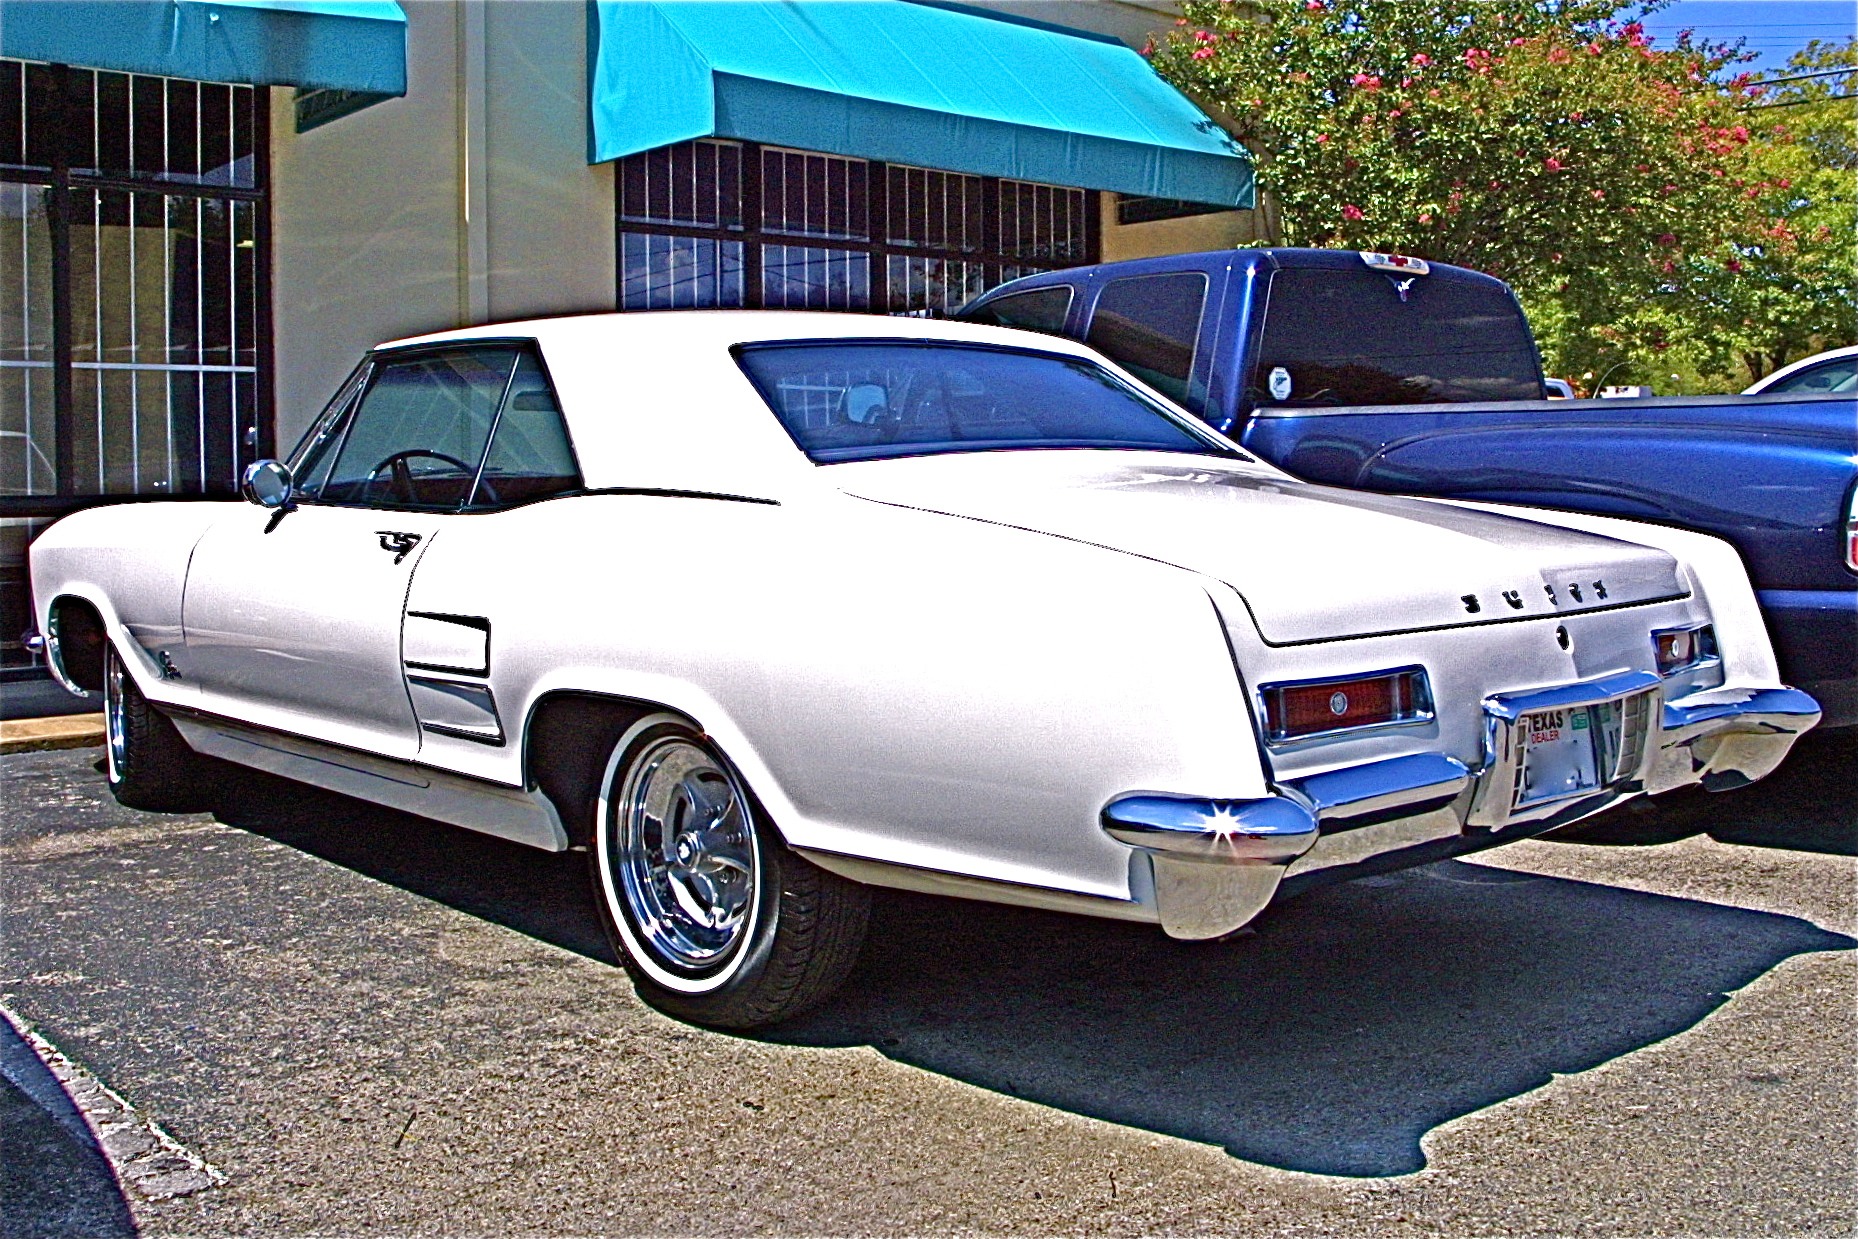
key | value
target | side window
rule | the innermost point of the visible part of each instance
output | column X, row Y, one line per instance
column 418, row 435
column 1832, row 379
column 1150, row 325
column 530, row 457
column 1042, row 309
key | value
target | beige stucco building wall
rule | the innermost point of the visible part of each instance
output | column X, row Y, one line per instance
column 470, row 199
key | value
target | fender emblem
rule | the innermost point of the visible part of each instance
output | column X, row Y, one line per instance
column 401, row 544
column 1550, row 589
column 1574, row 588
column 1514, row 598
column 1599, row 589
column 1471, row 604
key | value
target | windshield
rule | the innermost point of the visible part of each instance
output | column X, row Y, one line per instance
column 1335, row 336
column 847, row 400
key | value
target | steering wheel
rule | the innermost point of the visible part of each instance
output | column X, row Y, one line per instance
column 402, row 476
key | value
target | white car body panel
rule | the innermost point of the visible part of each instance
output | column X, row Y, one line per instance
column 941, row 672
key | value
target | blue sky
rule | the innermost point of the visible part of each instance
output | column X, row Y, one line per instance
column 1774, row 28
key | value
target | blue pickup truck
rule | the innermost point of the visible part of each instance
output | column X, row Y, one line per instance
column 1388, row 373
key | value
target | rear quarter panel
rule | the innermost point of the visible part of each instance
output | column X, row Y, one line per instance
column 908, row 687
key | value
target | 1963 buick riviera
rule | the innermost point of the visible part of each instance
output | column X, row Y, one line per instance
column 763, row 610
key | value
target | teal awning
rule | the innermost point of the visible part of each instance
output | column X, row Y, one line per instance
column 320, row 44
column 925, row 84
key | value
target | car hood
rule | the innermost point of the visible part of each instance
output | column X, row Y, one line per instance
column 1312, row 563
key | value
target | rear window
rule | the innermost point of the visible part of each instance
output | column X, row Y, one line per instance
column 864, row 400
column 1334, row 336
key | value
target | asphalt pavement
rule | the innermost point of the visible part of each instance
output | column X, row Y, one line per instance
column 375, row 1024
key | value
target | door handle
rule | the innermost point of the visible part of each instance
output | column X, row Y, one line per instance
column 401, row 544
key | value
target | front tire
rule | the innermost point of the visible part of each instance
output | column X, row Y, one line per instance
column 716, row 920
column 148, row 764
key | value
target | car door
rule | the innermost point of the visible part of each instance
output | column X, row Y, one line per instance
column 294, row 617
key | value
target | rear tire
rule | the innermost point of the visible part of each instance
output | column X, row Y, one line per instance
column 717, row 921
column 148, row 764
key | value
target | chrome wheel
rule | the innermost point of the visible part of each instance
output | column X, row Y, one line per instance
column 115, row 717
column 681, row 849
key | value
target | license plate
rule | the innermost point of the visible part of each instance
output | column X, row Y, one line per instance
column 1560, row 754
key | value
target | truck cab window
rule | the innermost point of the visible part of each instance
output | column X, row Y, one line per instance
column 1150, row 324
column 1042, row 309
column 1361, row 336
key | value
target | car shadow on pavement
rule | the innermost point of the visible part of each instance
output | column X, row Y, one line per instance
column 1357, row 1019
column 54, row 1179
column 1808, row 805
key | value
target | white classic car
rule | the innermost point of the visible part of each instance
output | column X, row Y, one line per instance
column 762, row 610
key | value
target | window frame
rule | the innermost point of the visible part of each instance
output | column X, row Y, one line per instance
column 379, row 359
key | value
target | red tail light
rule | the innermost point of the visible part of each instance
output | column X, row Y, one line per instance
column 1851, row 531
column 1317, row 707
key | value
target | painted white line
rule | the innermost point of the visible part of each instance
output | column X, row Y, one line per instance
column 143, row 1156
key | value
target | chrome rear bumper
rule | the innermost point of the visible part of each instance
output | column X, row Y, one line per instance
column 1218, row 863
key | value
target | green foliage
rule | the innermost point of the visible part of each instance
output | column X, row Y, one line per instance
column 1781, row 287
column 1545, row 141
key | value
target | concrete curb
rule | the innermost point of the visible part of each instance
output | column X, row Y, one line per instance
column 31, row 735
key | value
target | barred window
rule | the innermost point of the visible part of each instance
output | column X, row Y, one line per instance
column 718, row 223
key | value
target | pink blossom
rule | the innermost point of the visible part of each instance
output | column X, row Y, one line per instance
column 1322, row 137
column 1559, row 56
column 1733, row 266
column 1367, row 81
column 1203, row 53
column 1740, row 133
column 1552, row 164
column 1405, row 82
column 1422, row 60
column 1599, row 195
column 1784, row 183
column 1314, row 6
column 1668, row 239
column 1425, row 217
column 1351, row 211
column 1555, row 257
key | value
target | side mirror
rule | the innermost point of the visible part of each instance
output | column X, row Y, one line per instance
column 266, row 483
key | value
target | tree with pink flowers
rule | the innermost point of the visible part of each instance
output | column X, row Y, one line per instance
column 1552, row 143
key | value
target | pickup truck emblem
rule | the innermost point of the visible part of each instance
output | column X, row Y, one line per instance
column 1471, row 604
column 401, row 544
column 1514, row 598
column 1599, row 589
column 1550, row 590
column 1574, row 589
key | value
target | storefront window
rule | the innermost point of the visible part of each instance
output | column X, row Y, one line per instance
column 132, row 310
column 715, row 223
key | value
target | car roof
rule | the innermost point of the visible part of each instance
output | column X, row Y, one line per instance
column 1766, row 381
column 654, row 401
column 724, row 328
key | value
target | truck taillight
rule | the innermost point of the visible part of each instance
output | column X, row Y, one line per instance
column 1318, row 707
column 1851, row 531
